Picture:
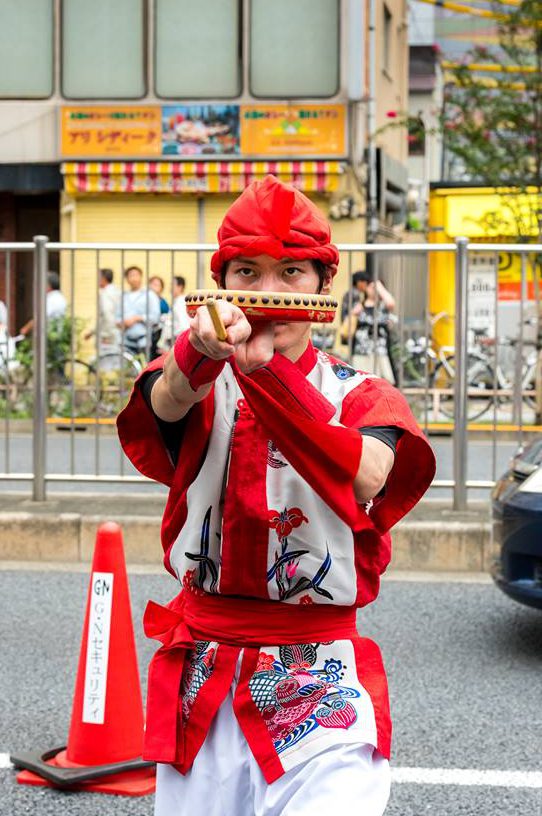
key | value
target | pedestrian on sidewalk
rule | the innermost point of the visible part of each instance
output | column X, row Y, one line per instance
column 138, row 313
column 286, row 470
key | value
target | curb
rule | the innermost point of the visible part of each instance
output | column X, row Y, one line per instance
column 433, row 546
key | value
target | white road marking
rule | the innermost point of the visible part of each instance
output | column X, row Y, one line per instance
column 467, row 776
column 440, row 776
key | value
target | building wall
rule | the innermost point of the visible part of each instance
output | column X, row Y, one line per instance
column 392, row 75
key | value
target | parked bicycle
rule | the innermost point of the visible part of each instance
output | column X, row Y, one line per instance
column 488, row 383
column 71, row 383
column 115, row 370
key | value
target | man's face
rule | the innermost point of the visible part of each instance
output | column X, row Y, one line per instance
column 133, row 279
column 156, row 285
column 266, row 274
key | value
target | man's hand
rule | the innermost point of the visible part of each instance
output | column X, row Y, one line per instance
column 172, row 396
column 131, row 321
column 252, row 346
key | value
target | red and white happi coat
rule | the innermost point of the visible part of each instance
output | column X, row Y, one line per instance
column 274, row 555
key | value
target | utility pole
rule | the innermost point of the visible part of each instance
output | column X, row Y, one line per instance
column 372, row 199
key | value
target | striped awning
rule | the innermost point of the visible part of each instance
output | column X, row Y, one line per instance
column 195, row 177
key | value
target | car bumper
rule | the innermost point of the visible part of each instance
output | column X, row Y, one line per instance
column 518, row 569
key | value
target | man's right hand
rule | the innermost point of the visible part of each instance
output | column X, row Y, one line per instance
column 252, row 346
column 203, row 335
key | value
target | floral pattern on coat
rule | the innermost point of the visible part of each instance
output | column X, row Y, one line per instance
column 287, row 560
column 295, row 697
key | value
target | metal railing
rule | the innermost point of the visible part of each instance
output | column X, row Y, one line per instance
column 402, row 266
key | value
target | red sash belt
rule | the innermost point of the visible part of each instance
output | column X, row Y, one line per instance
column 233, row 622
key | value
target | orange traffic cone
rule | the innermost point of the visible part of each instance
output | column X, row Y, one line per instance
column 106, row 732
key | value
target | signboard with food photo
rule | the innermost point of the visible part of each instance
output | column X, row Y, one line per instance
column 200, row 130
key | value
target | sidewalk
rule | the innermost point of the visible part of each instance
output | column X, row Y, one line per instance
column 63, row 529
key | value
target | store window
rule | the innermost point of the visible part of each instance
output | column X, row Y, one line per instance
column 103, row 53
column 197, row 48
column 26, row 49
column 294, row 48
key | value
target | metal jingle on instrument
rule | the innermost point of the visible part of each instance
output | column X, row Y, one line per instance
column 284, row 307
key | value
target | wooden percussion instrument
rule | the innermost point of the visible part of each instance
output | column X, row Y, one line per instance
column 279, row 307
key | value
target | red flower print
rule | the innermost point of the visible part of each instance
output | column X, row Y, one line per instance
column 306, row 599
column 299, row 666
column 265, row 662
column 291, row 568
column 286, row 520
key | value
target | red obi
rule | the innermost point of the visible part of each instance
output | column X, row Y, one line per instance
column 303, row 697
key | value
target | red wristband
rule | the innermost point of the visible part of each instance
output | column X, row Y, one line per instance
column 197, row 368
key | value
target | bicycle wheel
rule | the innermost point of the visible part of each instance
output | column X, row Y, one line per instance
column 528, row 379
column 480, row 383
column 72, row 389
column 115, row 372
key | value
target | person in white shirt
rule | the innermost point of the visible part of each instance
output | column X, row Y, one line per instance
column 109, row 299
column 181, row 321
column 56, row 305
column 138, row 312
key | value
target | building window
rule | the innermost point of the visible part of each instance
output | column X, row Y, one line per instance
column 294, row 48
column 26, row 49
column 103, row 54
column 416, row 135
column 197, row 48
column 386, row 40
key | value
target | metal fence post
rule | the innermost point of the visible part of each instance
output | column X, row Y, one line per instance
column 39, row 335
column 460, row 379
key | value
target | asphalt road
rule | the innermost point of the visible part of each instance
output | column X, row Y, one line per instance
column 464, row 666
column 83, row 453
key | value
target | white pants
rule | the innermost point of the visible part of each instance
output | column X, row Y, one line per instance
column 379, row 365
column 225, row 780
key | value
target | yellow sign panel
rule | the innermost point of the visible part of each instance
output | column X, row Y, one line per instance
column 111, row 131
column 293, row 130
column 491, row 215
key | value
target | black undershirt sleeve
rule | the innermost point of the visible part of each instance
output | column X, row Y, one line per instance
column 388, row 434
column 172, row 432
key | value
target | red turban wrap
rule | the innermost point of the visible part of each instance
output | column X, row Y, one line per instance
column 272, row 218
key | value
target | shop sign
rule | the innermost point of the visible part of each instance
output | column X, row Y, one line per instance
column 510, row 284
column 111, row 131
column 200, row 130
column 481, row 292
column 293, row 130
column 203, row 131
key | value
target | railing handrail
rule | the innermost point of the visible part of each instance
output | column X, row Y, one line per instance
column 56, row 246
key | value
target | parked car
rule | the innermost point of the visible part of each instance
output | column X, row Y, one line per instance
column 517, row 528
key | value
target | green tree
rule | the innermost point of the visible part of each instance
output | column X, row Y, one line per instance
column 492, row 118
column 492, row 128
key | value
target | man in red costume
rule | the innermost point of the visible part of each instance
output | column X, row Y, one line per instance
column 286, row 470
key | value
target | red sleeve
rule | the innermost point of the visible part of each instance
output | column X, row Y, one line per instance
column 296, row 416
column 140, row 436
column 377, row 402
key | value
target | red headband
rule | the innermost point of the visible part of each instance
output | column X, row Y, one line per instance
column 272, row 218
